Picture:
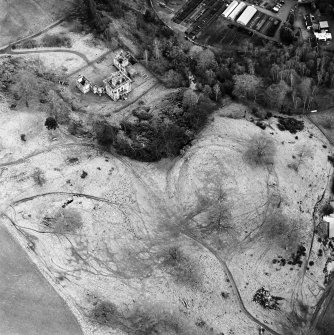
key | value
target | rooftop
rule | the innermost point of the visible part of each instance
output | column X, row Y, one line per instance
column 83, row 80
column 116, row 79
column 324, row 24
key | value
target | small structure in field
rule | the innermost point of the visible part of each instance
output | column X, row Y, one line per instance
column 324, row 26
column 118, row 85
column 330, row 220
column 83, row 84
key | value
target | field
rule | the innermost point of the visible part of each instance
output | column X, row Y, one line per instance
column 22, row 18
column 124, row 213
column 324, row 120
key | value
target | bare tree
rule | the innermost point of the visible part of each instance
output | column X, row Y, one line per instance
column 305, row 88
column 303, row 153
column 260, row 151
column 26, row 86
column 216, row 91
column 156, row 48
column 219, row 216
column 277, row 229
column 190, row 99
column 146, row 57
column 246, row 86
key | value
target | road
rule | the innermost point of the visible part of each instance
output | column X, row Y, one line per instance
column 29, row 305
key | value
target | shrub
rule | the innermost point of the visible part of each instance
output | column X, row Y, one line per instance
column 28, row 44
column 331, row 159
column 51, row 123
column 38, row 177
column 259, row 112
column 290, row 124
column 327, row 209
column 105, row 313
column 65, row 221
column 51, row 41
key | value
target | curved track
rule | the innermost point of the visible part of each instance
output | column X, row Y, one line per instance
column 49, row 149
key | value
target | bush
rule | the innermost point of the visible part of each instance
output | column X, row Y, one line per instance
column 290, row 124
column 66, row 221
column 52, row 41
column 105, row 313
column 38, row 177
column 28, row 44
column 327, row 209
column 331, row 159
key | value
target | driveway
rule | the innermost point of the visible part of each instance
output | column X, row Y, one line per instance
column 28, row 304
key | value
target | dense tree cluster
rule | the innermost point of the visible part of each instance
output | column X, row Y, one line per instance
column 149, row 138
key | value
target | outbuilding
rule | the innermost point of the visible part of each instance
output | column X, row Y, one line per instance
column 247, row 15
column 83, row 84
column 324, row 25
column 230, row 8
column 330, row 220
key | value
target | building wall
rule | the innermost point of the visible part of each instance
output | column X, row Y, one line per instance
column 115, row 93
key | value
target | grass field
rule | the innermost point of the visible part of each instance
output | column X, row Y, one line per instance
column 325, row 121
column 19, row 18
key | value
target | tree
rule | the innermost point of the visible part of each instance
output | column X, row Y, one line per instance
column 59, row 109
column 219, row 216
column 276, row 93
column 26, row 86
column 207, row 91
column 131, row 19
column 146, row 57
column 173, row 79
column 156, row 45
column 305, row 88
column 190, row 99
column 51, row 123
column 286, row 34
column 246, row 86
column 206, row 60
column 216, row 91
column 277, row 229
column 260, row 151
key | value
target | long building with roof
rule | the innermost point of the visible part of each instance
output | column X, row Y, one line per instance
column 231, row 7
column 247, row 15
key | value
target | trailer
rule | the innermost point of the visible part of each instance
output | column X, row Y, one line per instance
column 247, row 15
column 230, row 8
column 237, row 11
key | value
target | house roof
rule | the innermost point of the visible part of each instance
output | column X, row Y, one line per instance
column 82, row 80
column 116, row 79
column 324, row 24
column 323, row 36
